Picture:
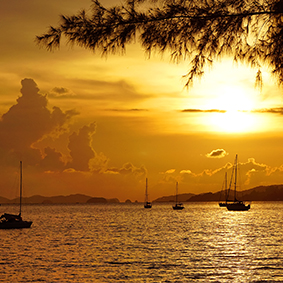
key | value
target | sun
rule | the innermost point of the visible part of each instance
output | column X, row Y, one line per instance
column 234, row 104
column 233, row 98
column 234, row 121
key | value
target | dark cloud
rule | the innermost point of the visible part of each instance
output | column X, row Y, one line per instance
column 127, row 110
column 203, row 111
column 80, row 148
column 217, row 153
column 278, row 110
column 61, row 92
column 52, row 160
column 59, row 118
column 28, row 121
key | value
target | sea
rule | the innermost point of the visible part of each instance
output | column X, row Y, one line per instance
column 126, row 243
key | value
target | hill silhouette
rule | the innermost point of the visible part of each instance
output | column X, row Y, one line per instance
column 172, row 198
column 260, row 193
column 73, row 198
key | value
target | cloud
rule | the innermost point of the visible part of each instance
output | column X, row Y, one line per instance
column 81, row 151
column 99, row 163
column 185, row 172
column 127, row 110
column 28, row 121
column 27, row 128
column 217, row 153
column 203, row 111
column 169, row 176
column 256, row 173
column 61, row 92
column 120, row 91
column 170, row 171
column 128, row 169
column 250, row 172
column 52, row 160
column 278, row 110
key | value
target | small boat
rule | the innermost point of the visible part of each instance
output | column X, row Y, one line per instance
column 15, row 221
column 236, row 205
column 178, row 205
column 147, row 203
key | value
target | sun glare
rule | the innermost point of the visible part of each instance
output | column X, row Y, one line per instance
column 235, row 104
column 233, row 98
column 234, row 121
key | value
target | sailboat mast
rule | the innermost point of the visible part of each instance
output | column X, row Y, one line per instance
column 235, row 184
column 146, row 194
column 225, row 188
column 176, row 192
column 21, row 186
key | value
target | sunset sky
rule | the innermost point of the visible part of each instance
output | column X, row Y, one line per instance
column 99, row 126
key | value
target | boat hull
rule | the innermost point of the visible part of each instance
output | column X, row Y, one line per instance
column 15, row 225
column 178, row 207
column 238, row 207
column 147, row 205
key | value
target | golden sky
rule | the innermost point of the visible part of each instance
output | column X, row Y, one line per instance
column 99, row 126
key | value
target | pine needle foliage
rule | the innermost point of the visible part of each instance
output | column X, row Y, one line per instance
column 201, row 31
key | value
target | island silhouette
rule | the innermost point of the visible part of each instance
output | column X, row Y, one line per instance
column 260, row 193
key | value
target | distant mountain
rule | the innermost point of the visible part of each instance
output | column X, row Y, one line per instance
column 4, row 200
column 206, row 197
column 260, row 193
column 102, row 200
column 172, row 198
column 264, row 193
column 74, row 198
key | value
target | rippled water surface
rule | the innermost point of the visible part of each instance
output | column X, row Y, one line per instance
column 127, row 243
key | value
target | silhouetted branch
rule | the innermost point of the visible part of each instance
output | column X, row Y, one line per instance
column 205, row 30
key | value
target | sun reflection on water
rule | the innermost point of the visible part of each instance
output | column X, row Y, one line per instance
column 126, row 243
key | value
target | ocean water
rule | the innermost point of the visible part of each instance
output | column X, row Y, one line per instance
column 127, row 243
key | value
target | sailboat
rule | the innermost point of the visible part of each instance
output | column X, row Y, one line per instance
column 15, row 221
column 236, row 205
column 178, row 205
column 147, row 203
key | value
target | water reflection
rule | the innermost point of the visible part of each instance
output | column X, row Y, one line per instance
column 126, row 243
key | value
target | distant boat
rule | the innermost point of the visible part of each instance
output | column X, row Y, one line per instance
column 178, row 205
column 14, row 221
column 147, row 203
column 236, row 205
